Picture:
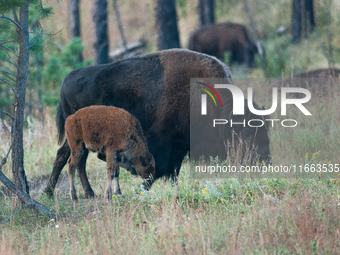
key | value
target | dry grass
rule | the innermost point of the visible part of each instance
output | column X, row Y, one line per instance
column 167, row 221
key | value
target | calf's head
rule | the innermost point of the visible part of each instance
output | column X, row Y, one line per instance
column 145, row 166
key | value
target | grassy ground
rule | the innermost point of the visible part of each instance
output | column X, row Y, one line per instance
column 199, row 216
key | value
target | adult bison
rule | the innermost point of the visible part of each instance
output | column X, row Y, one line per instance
column 155, row 88
column 319, row 74
column 216, row 39
column 315, row 80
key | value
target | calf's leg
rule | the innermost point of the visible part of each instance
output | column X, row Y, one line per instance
column 110, row 173
column 116, row 188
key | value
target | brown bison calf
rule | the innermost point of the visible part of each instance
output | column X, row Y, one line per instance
column 216, row 39
column 113, row 132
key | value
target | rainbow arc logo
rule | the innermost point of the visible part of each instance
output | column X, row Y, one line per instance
column 204, row 97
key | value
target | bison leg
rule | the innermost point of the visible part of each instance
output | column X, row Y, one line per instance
column 116, row 187
column 88, row 191
column 73, row 162
column 60, row 161
column 177, row 159
column 112, row 172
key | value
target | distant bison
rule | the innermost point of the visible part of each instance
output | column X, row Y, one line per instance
column 216, row 39
column 319, row 74
column 113, row 132
column 313, row 80
column 155, row 88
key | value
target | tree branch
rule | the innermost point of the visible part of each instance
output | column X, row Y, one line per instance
column 13, row 63
column 41, row 34
column 13, row 21
column 5, row 127
column 8, row 49
column 2, row 79
column 7, row 72
column 16, row 213
column 9, row 115
column 120, row 27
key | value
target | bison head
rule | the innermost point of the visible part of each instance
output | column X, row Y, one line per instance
column 145, row 166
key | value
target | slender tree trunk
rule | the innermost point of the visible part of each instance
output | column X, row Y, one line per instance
column 102, row 41
column 18, row 171
column 309, row 5
column 120, row 26
column 206, row 12
column 296, row 21
column 1, row 114
column 300, row 11
column 30, row 101
column 257, row 40
column 303, row 20
column 74, row 25
column 8, row 95
column 39, row 63
column 329, row 37
column 40, row 98
column 166, row 24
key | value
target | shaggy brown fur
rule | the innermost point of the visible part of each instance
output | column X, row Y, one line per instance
column 216, row 39
column 113, row 132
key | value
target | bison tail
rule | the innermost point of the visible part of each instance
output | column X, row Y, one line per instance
column 60, row 123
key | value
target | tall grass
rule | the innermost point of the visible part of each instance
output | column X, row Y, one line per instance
column 249, row 217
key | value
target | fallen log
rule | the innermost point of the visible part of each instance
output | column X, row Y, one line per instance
column 133, row 49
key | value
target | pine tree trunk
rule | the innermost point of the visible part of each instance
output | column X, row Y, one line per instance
column 206, row 12
column 296, row 21
column 310, row 10
column 102, row 42
column 18, row 171
column 74, row 25
column 166, row 24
